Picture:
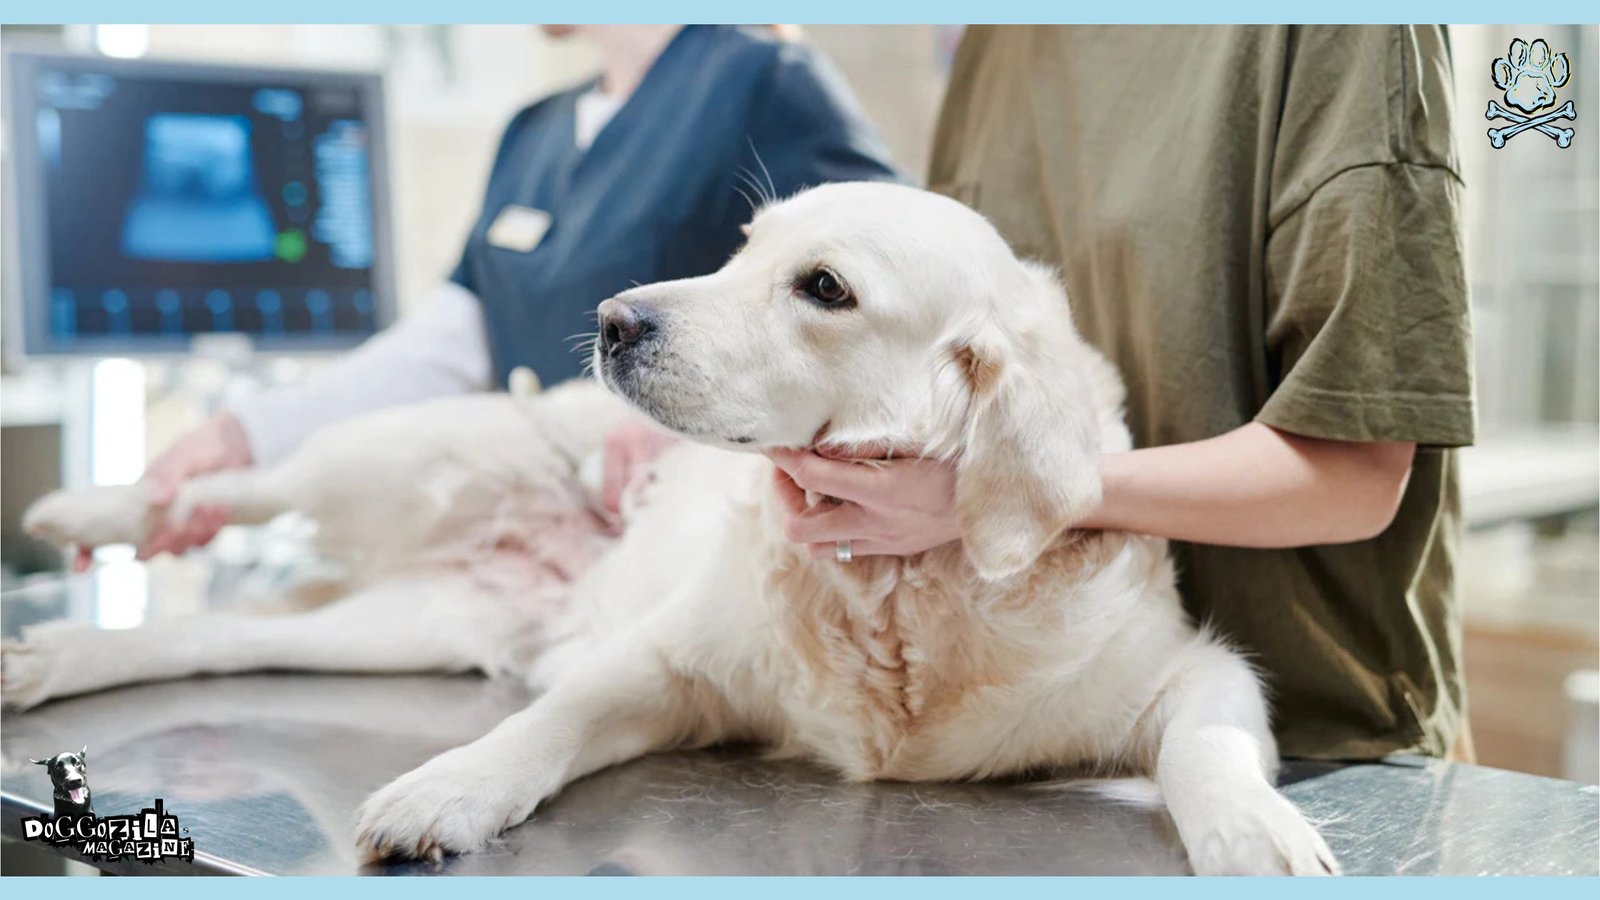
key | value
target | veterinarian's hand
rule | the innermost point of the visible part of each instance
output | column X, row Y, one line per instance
column 629, row 448
column 217, row 445
column 896, row 507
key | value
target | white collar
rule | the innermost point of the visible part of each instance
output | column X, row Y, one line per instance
column 595, row 110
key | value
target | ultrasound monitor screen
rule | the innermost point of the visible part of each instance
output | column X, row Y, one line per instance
column 173, row 200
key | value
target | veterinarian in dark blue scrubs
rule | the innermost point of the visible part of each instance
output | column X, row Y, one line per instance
column 640, row 175
column 658, row 194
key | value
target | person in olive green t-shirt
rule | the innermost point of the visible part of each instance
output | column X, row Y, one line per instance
column 1260, row 226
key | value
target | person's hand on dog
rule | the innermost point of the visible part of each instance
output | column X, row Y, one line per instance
column 217, row 445
column 629, row 447
column 883, row 507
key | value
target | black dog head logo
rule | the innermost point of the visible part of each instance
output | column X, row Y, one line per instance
column 69, row 772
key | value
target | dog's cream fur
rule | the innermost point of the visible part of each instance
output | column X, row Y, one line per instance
column 1025, row 648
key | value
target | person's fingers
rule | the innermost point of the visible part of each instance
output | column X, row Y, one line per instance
column 789, row 493
column 211, row 520
column 82, row 558
column 203, row 525
column 844, row 522
column 187, row 536
column 804, row 524
column 176, row 538
column 855, row 482
column 157, row 541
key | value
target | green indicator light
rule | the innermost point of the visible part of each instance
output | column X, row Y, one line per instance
column 291, row 245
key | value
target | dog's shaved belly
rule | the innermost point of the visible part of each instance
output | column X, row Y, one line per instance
column 532, row 537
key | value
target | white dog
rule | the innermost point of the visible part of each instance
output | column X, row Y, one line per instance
column 857, row 314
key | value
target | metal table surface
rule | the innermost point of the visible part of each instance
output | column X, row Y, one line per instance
column 266, row 772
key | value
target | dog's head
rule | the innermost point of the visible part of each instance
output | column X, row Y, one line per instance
column 878, row 315
column 69, row 772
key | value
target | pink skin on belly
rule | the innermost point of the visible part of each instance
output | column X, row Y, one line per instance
column 534, row 544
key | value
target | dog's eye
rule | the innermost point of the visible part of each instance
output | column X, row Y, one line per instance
column 826, row 289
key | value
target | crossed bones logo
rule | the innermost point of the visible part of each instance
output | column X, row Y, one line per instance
column 1529, row 74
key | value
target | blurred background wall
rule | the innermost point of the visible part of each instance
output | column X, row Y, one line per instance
column 1529, row 572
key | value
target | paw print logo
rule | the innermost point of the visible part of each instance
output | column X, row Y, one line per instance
column 1529, row 75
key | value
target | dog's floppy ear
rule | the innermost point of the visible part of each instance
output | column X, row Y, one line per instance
column 83, row 755
column 1030, row 461
column 40, row 762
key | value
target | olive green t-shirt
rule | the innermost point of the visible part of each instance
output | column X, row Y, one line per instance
column 1260, row 224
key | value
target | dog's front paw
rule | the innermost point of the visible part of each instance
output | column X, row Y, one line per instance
column 1265, row 836
column 455, row 803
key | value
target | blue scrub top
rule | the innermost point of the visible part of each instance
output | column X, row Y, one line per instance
column 656, row 196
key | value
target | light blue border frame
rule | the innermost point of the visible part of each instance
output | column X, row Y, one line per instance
column 840, row 888
column 809, row 11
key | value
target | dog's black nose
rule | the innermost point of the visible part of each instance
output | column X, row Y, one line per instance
column 623, row 326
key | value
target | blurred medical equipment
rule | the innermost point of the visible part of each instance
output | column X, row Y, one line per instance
column 156, row 202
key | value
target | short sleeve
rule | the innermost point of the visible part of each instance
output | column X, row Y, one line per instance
column 808, row 128
column 1368, row 337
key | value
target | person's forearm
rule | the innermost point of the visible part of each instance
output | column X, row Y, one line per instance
column 441, row 350
column 1255, row 487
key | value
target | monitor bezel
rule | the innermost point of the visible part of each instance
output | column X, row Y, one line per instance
column 28, row 218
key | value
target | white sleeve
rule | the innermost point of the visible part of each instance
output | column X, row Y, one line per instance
column 441, row 350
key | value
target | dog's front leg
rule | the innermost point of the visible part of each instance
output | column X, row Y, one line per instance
column 1215, row 758
column 616, row 705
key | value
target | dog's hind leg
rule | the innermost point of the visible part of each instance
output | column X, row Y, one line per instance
column 124, row 514
column 415, row 625
column 1214, row 762
column 251, row 496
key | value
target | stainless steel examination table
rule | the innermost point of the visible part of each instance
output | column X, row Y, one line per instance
column 265, row 772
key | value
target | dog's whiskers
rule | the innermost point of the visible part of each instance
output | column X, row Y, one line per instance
column 771, row 194
column 747, row 199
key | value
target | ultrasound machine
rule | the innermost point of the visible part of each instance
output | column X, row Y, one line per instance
column 156, row 202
